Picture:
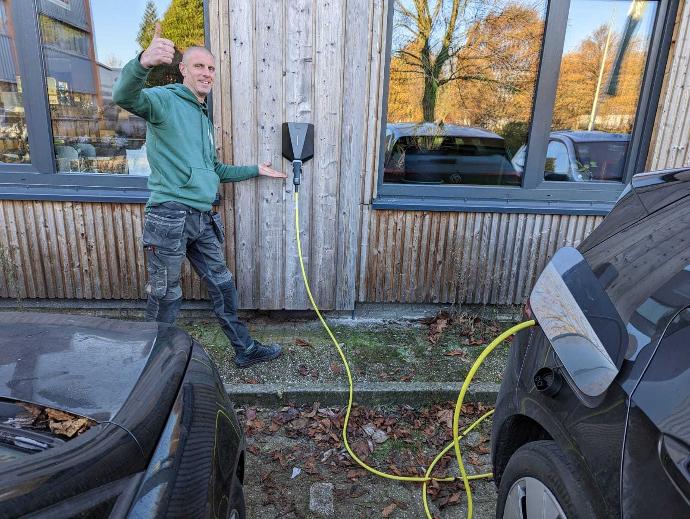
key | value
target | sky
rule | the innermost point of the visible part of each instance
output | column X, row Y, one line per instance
column 116, row 24
column 584, row 17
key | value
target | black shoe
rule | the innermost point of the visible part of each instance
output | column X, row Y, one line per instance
column 256, row 353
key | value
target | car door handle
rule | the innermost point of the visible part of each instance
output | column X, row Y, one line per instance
column 675, row 458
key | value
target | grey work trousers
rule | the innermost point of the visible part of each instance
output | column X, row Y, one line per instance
column 173, row 231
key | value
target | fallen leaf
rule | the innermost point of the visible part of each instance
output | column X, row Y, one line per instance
column 54, row 414
column 445, row 416
column 457, row 353
column 336, row 369
column 303, row 370
column 303, row 343
column 388, row 510
column 69, row 428
column 437, row 325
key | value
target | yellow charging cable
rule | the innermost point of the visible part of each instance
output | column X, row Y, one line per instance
column 458, row 407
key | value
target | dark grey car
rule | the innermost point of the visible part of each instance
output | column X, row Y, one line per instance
column 159, row 437
column 593, row 416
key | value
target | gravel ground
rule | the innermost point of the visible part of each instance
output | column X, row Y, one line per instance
column 295, row 451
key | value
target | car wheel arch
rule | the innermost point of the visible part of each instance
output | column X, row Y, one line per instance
column 515, row 431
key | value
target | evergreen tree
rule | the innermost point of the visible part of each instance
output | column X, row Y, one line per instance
column 147, row 25
column 183, row 23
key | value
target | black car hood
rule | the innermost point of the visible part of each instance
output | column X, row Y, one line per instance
column 85, row 365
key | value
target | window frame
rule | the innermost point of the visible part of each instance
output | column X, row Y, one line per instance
column 537, row 195
column 40, row 180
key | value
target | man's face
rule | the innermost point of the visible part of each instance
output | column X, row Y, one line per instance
column 199, row 71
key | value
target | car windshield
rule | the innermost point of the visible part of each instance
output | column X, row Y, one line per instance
column 603, row 160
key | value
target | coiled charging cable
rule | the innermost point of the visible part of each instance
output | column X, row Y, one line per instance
column 457, row 436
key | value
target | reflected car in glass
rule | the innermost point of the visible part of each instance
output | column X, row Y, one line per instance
column 581, row 156
column 104, row 418
column 428, row 153
column 592, row 418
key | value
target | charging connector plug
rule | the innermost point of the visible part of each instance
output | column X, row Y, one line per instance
column 296, row 173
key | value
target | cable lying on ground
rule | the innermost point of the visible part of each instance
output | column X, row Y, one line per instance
column 457, row 436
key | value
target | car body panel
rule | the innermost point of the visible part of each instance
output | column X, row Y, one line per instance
column 83, row 365
column 657, row 443
column 633, row 443
column 202, row 426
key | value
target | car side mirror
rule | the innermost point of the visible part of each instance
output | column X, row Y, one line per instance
column 580, row 321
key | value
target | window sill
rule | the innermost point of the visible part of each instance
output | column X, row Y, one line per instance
column 73, row 187
column 496, row 205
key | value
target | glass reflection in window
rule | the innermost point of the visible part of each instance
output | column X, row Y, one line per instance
column 604, row 58
column 14, row 137
column 85, row 53
column 461, row 88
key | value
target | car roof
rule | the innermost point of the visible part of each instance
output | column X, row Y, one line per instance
column 592, row 136
column 451, row 130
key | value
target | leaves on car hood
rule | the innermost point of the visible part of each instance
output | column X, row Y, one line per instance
column 58, row 422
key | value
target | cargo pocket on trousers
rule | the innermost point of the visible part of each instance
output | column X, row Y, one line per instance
column 164, row 231
column 218, row 227
column 157, row 285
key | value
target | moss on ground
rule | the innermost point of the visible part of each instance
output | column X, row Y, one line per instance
column 379, row 352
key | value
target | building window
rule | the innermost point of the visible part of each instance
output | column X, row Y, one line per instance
column 69, row 59
column 462, row 81
column 526, row 96
column 14, row 141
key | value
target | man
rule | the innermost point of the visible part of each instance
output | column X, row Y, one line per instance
column 184, row 179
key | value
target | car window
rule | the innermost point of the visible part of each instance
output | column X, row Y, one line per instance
column 557, row 161
column 601, row 160
column 450, row 159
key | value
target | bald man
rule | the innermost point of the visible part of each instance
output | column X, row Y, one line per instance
column 185, row 174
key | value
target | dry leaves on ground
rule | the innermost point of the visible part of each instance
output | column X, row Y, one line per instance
column 437, row 325
column 303, row 343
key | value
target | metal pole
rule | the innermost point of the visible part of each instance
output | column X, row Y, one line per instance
column 595, row 103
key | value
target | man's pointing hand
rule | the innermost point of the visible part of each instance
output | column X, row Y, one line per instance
column 159, row 52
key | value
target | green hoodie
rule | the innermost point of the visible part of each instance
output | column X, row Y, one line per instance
column 179, row 141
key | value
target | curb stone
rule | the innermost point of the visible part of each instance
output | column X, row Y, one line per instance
column 369, row 393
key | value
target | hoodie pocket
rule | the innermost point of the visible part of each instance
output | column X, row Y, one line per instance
column 202, row 184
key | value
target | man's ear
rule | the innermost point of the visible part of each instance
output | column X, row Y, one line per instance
column 182, row 68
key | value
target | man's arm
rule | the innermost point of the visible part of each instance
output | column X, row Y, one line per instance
column 230, row 173
column 129, row 92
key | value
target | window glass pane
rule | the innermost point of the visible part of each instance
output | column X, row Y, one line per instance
column 604, row 58
column 86, row 44
column 557, row 162
column 14, row 141
column 462, row 80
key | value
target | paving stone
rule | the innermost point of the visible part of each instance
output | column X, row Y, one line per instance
column 321, row 499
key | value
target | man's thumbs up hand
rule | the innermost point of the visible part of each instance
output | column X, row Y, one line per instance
column 159, row 52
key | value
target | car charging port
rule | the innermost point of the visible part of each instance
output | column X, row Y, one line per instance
column 548, row 381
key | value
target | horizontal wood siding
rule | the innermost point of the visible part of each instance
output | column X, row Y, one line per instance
column 479, row 258
column 74, row 250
